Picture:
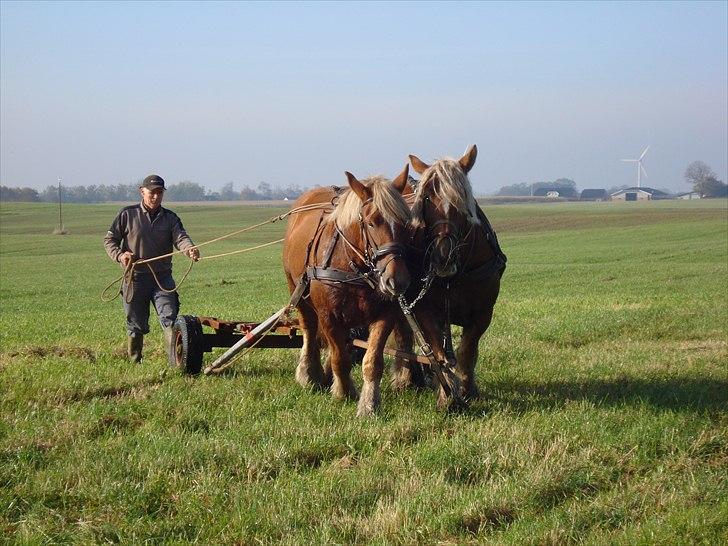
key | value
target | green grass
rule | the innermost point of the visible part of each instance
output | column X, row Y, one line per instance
column 604, row 417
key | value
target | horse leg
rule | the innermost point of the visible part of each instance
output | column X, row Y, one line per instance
column 308, row 371
column 373, row 368
column 432, row 329
column 342, row 386
column 467, row 353
column 328, row 373
column 406, row 373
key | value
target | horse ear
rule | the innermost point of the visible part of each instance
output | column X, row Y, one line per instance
column 408, row 189
column 360, row 189
column 468, row 160
column 401, row 181
column 418, row 165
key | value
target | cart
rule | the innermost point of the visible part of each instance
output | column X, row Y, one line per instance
column 190, row 342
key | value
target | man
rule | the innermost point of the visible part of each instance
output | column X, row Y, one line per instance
column 140, row 232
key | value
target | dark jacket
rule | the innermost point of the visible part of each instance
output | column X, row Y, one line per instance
column 135, row 230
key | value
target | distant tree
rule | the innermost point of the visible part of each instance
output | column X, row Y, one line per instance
column 712, row 187
column 18, row 194
column 248, row 193
column 185, row 191
column 697, row 172
column 515, row 189
column 704, row 181
column 227, row 193
column 525, row 188
column 264, row 191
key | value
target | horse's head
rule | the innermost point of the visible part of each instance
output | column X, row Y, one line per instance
column 445, row 208
column 373, row 219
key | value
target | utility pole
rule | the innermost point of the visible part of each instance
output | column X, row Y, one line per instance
column 60, row 208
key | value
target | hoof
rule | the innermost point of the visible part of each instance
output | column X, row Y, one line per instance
column 309, row 380
column 403, row 381
column 369, row 400
column 365, row 412
column 452, row 404
column 470, row 391
column 341, row 391
column 398, row 384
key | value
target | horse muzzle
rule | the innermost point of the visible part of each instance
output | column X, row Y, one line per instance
column 443, row 257
column 391, row 269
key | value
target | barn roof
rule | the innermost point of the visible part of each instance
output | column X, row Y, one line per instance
column 651, row 191
column 593, row 193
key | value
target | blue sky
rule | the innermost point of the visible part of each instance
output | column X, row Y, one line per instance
column 296, row 93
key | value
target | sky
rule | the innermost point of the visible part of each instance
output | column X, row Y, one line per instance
column 297, row 93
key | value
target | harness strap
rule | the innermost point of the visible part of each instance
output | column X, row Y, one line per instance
column 337, row 276
column 492, row 238
column 330, row 250
column 497, row 264
column 444, row 374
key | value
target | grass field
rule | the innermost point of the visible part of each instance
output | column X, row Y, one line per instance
column 604, row 418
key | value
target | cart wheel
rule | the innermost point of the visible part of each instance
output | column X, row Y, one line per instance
column 188, row 346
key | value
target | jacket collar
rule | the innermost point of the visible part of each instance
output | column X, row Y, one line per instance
column 152, row 215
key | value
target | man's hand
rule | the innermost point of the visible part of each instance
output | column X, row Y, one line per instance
column 125, row 259
column 194, row 254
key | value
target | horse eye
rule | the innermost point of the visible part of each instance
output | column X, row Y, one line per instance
column 371, row 224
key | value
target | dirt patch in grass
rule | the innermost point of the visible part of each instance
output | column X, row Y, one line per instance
column 115, row 424
column 140, row 389
column 312, row 457
column 704, row 345
column 488, row 519
column 40, row 351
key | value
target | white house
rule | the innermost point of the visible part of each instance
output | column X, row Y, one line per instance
column 688, row 195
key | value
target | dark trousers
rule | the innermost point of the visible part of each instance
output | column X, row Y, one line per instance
column 144, row 291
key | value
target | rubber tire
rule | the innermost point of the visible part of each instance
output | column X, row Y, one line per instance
column 188, row 344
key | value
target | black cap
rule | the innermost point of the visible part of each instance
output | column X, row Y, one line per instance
column 153, row 181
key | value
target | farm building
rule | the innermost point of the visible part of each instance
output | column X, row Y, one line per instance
column 593, row 195
column 639, row 194
column 563, row 192
column 688, row 195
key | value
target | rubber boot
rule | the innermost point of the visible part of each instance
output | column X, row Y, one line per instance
column 169, row 345
column 135, row 343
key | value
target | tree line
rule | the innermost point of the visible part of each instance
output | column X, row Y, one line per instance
column 698, row 175
column 182, row 191
column 526, row 188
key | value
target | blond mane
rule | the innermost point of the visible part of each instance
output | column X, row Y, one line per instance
column 385, row 198
column 445, row 179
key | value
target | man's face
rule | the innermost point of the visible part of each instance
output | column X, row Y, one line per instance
column 152, row 199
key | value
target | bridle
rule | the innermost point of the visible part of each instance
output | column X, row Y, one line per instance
column 373, row 259
column 451, row 233
column 376, row 258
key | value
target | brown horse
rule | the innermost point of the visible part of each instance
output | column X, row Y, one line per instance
column 461, row 256
column 353, row 256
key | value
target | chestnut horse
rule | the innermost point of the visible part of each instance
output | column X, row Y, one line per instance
column 353, row 256
column 461, row 256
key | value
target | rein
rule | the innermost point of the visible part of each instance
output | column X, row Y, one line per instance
column 128, row 274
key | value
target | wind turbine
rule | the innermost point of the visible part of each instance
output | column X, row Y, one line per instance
column 639, row 165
